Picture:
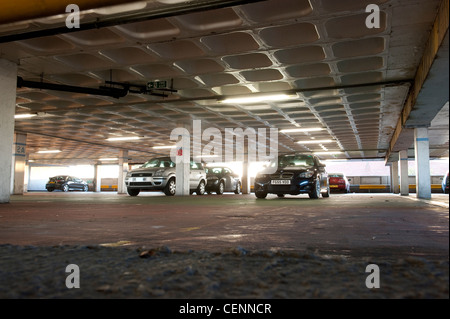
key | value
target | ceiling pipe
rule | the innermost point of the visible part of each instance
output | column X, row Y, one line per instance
column 103, row 91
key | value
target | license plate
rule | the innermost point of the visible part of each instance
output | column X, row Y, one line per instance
column 334, row 186
column 281, row 182
column 52, row 183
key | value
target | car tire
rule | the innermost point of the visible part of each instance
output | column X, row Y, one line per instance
column 170, row 188
column 133, row 192
column 261, row 194
column 201, row 188
column 85, row 188
column 315, row 193
column 237, row 191
column 220, row 188
column 65, row 188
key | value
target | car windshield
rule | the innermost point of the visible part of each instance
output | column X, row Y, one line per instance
column 214, row 170
column 58, row 178
column 159, row 162
column 336, row 175
column 295, row 160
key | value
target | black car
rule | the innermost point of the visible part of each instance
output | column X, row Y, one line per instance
column 222, row 179
column 66, row 183
column 295, row 174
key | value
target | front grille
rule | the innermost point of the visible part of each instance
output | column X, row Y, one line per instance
column 282, row 176
column 141, row 184
column 142, row 175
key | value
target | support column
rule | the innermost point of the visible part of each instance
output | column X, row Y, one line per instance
column 97, row 179
column 19, row 163
column 8, row 86
column 183, row 169
column 422, row 154
column 123, row 170
column 404, row 183
column 245, row 171
column 394, row 178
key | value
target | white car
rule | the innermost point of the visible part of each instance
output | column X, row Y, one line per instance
column 159, row 174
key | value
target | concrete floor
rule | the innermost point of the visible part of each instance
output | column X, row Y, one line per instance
column 345, row 224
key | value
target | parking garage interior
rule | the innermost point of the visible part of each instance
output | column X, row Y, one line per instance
column 113, row 83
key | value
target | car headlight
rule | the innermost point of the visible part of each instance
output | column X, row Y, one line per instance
column 306, row 174
column 159, row 173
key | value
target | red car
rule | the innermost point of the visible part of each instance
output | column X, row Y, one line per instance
column 339, row 181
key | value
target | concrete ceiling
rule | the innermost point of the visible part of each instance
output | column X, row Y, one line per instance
column 348, row 79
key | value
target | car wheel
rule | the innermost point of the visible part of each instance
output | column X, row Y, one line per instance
column 133, row 192
column 50, row 189
column 261, row 194
column 201, row 188
column 220, row 188
column 85, row 188
column 171, row 187
column 315, row 193
column 65, row 188
column 238, row 188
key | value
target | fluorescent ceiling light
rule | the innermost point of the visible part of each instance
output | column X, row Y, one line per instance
column 300, row 130
column 49, row 152
column 108, row 159
column 315, row 142
column 24, row 116
column 164, row 147
column 125, row 138
column 209, row 156
column 328, row 153
column 260, row 98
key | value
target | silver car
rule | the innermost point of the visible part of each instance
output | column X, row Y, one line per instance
column 159, row 174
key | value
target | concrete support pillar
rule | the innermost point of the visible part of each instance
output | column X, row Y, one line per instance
column 123, row 170
column 8, row 86
column 394, row 178
column 404, row 183
column 183, row 169
column 422, row 154
column 97, row 179
column 245, row 172
column 19, row 164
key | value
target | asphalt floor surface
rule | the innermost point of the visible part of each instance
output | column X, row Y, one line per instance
column 229, row 246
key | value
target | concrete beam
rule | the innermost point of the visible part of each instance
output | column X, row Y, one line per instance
column 23, row 10
column 426, row 96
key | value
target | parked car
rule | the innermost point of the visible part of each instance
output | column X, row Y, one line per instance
column 159, row 174
column 222, row 179
column 445, row 183
column 66, row 183
column 339, row 181
column 295, row 174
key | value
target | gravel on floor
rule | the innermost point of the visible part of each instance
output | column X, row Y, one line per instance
column 160, row 273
